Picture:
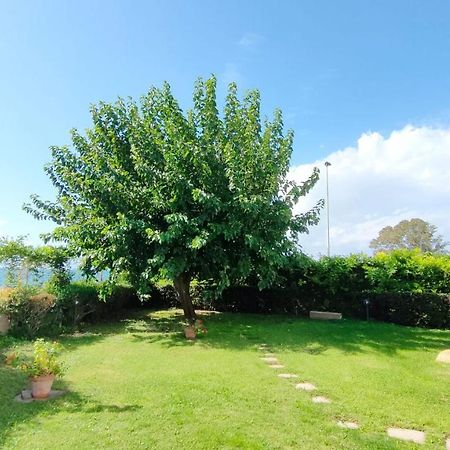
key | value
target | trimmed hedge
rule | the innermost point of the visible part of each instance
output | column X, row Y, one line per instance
column 35, row 312
column 403, row 287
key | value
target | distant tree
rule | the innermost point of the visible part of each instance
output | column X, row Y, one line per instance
column 22, row 260
column 409, row 234
column 153, row 192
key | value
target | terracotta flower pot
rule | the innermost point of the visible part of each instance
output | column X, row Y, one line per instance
column 41, row 386
column 4, row 323
column 190, row 333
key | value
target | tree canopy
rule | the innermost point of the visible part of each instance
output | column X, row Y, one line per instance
column 156, row 193
column 409, row 234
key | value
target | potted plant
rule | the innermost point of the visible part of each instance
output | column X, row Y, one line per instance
column 191, row 331
column 42, row 367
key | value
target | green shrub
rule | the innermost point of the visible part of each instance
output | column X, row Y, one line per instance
column 76, row 301
column 30, row 311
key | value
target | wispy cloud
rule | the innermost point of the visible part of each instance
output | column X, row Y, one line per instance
column 379, row 182
column 251, row 40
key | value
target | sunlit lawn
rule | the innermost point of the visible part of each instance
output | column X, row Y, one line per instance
column 139, row 384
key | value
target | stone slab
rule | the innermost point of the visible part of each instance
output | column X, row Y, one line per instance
column 305, row 386
column 447, row 444
column 320, row 399
column 276, row 366
column 270, row 359
column 348, row 425
column 444, row 357
column 405, row 434
column 269, row 355
column 287, row 375
column 26, row 397
column 325, row 315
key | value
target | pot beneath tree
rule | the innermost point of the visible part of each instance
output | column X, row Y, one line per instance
column 190, row 333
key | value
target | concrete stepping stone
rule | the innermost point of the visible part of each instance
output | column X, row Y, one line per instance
column 447, row 444
column 287, row 375
column 269, row 355
column 405, row 434
column 305, row 386
column 276, row 366
column 320, row 399
column 270, row 359
column 349, row 425
column 444, row 357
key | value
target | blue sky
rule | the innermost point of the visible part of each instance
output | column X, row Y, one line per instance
column 338, row 70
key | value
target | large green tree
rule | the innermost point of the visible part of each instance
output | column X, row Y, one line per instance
column 154, row 192
column 409, row 234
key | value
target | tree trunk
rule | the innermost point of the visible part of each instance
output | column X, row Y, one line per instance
column 182, row 283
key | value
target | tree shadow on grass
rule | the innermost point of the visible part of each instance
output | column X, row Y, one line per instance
column 13, row 413
column 244, row 331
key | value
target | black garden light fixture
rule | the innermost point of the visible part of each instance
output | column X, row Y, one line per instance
column 366, row 303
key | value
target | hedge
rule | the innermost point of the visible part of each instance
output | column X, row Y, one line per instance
column 35, row 312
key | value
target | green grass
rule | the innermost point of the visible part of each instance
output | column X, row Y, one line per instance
column 139, row 384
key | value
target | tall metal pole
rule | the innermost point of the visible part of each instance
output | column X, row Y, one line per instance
column 327, row 164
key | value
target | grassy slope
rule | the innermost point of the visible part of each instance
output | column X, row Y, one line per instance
column 138, row 384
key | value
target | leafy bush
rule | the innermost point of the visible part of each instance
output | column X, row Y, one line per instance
column 408, row 271
column 81, row 301
column 404, row 287
column 76, row 301
column 35, row 312
column 29, row 311
column 414, row 309
column 43, row 361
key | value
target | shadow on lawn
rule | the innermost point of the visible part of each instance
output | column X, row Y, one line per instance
column 243, row 331
column 13, row 413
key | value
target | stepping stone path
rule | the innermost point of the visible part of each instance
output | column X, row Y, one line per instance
column 397, row 433
column 270, row 359
column 407, row 435
column 349, row 425
column 305, row 386
column 320, row 399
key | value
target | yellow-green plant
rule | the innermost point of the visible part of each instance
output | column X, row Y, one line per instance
column 44, row 360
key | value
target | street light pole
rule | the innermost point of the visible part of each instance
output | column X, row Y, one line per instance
column 327, row 164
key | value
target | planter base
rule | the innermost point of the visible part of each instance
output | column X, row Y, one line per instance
column 26, row 397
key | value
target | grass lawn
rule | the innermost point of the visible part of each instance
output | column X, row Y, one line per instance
column 139, row 384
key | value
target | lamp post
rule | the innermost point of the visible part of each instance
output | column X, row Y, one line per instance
column 327, row 164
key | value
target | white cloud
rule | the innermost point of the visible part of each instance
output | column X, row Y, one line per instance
column 380, row 182
column 251, row 40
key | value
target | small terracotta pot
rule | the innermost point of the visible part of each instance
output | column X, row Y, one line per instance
column 41, row 386
column 190, row 333
column 4, row 324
